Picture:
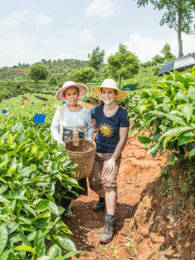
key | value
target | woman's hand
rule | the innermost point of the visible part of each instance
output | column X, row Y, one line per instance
column 109, row 165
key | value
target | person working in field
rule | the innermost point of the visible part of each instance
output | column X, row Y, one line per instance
column 73, row 116
column 113, row 125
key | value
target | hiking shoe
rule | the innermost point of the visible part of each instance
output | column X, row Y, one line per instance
column 99, row 206
column 108, row 232
column 67, row 213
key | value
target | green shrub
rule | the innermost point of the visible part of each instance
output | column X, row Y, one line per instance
column 156, row 70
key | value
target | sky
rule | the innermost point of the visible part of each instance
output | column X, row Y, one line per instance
column 32, row 30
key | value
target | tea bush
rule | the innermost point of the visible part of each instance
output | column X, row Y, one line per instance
column 169, row 107
column 30, row 223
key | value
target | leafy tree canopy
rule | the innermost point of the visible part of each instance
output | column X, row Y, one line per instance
column 124, row 64
column 53, row 80
column 166, row 50
column 83, row 75
column 96, row 59
column 37, row 72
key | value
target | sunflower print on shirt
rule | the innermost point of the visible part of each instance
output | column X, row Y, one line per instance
column 106, row 130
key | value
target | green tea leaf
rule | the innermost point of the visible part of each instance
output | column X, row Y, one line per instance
column 176, row 119
column 25, row 248
column 3, row 237
column 53, row 208
column 7, row 255
column 191, row 91
column 192, row 153
column 27, row 171
column 42, row 205
column 12, row 227
column 34, row 149
column 53, row 251
column 73, row 253
column 45, row 258
column 39, row 243
column 3, row 188
column 144, row 139
column 3, row 163
column 29, row 209
column 175, row 131
column 10, row 138
column 24, row 239
column 66, row 243
column 187, row 111
column 12, row 169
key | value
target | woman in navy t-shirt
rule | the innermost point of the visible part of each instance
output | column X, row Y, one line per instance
column 113, row 125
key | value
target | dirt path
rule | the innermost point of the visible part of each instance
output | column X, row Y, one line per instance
column 137, row 170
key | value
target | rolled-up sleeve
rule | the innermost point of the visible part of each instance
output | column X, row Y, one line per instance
column 89, row 125
column 55, row 126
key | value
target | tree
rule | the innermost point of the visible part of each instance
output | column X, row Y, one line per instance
column 178, row 15
column 83, row 75
column 166, row 50
column 37, row 72
column 43, row 61
column 158, row 59
column 189, row 54
column 124, row 64
column 53, row 80
column 96, row 59
column 168, row 56
column 105, row 72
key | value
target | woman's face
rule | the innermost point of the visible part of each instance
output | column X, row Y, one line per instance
column 72, row 96
column 108, row 96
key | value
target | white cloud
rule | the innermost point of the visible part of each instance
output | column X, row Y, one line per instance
column 64, row 56
column 10, row 22
column 45, row 42
column 21, row 51
column 66, row 31
column 86, row 37
column 102, row 8
column 147, row 48
column 21, row 15
column 42, row 19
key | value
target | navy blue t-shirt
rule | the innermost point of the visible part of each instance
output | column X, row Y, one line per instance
column 107, row 137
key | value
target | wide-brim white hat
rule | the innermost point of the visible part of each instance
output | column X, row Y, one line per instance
column 83, row 90
column 109, row 83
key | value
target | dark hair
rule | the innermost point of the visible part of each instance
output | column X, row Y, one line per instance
column 115, row 90
column 77, row 89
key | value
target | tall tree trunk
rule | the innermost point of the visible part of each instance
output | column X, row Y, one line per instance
column 179, row 12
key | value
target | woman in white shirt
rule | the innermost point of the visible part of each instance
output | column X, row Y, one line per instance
column 73, row 115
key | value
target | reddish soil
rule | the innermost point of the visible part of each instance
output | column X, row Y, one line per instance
column 25, row 101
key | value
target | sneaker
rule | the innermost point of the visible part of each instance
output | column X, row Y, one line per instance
column 67, row 213
column 108, row 232
column 99, row 206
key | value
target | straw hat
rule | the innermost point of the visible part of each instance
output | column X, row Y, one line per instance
column 83, row 90
column 109, row 83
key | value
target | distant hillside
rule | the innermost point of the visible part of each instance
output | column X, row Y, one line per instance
column 56, row 67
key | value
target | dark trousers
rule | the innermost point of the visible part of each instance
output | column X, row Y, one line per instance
column 83, row 183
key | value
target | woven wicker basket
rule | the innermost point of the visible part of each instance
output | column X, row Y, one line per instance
column 83, row 155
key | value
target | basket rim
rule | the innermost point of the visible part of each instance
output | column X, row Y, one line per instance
column 78, row 152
